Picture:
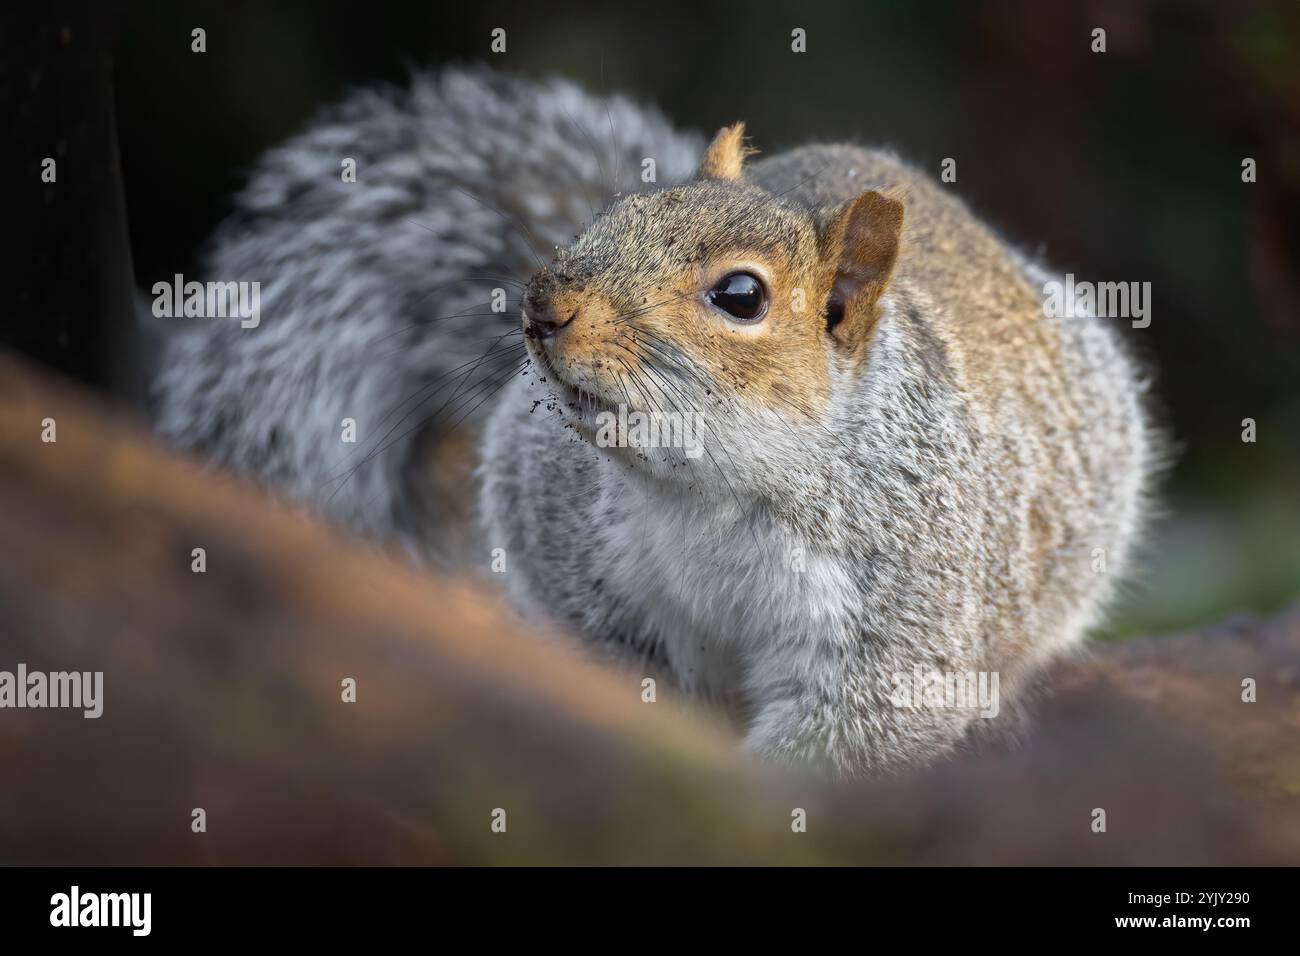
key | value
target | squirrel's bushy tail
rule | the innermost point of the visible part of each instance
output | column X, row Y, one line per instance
column 377, row 296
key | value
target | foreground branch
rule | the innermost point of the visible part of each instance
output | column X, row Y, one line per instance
column 222, row 691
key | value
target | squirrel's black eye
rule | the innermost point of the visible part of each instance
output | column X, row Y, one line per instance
column 741, row 296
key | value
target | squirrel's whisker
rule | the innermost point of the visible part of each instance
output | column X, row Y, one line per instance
column 531, row 240
column 505, row 377
column 595, row 153
column 438, row 383
column 490, row 356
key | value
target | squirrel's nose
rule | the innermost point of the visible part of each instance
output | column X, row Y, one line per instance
column 542, row 321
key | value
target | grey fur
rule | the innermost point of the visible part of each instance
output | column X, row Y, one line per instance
column 914, row 501
column 375, row 294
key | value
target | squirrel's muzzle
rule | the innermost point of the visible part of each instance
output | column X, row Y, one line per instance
column 543, row 320
column 548, row 306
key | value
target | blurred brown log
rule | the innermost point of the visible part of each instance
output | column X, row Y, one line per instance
column 222, row 691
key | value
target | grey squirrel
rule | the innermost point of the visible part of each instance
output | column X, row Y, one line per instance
column 899, row 468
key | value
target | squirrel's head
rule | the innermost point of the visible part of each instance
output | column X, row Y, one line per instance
column 714, row 300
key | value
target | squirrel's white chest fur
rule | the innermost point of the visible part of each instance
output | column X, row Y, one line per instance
column 713, row 588
column 657, row 575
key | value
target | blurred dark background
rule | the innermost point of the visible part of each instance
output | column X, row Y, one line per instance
column 1122, row 166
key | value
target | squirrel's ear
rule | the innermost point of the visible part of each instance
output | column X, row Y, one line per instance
column 725, row 157
column 861, row 237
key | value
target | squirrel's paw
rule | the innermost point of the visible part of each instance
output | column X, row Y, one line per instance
column 782, row 732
